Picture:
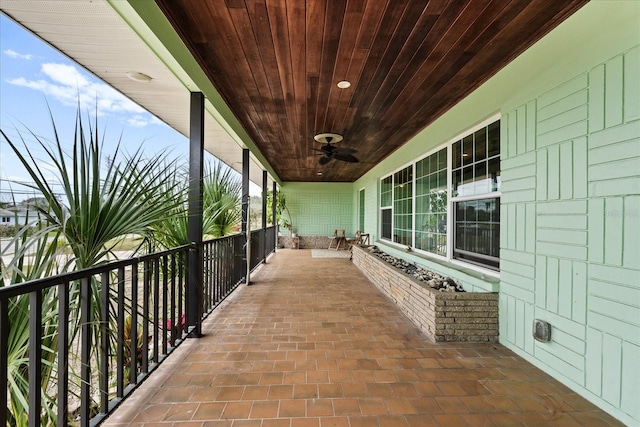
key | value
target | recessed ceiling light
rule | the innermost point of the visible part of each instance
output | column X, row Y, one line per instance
column 319, row 173
column 344, row 84
column 138, row 77
column 465, row 155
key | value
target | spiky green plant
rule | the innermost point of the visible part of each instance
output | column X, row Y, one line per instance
column 221, row 205
column 101, row 203
column 30, row 255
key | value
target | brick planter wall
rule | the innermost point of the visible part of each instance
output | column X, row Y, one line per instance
column 443, row 316
column 307, row 242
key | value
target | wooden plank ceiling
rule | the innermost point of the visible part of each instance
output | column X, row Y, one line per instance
column 277, row 63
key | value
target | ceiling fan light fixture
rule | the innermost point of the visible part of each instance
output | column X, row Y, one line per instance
column 328, row 138
column 344, row 84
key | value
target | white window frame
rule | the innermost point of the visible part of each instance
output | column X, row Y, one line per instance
column 450, row 202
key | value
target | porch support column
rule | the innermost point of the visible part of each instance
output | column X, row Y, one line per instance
column 194, row 262
column 273, row 214
column 264, row 216
column 245, row 214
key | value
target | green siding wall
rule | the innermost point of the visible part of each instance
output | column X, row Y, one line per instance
column 319, row 208
column 571, row 185
column 570, row 231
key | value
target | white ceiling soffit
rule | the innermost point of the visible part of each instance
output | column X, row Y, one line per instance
column 92, row 34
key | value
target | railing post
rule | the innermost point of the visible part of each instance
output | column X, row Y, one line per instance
column 245, row 214
column 264, row 216
column 273, row 214
column 196, row 166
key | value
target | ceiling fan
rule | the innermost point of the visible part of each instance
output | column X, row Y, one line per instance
column 330, row 152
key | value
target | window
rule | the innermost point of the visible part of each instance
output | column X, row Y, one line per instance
column 403, row 206
column 476, row 175
column 431, row 203
column 386, row 197
column 447, row 204
column 6, row 219
column 361, row 210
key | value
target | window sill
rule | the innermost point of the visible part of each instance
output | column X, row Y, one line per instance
column 480, row 279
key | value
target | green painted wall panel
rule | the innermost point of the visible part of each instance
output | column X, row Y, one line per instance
column 531, row 118
column 596, row 99
column 627, row 132
column 615, row 187
column 631, row 244
column 541, row 282
column 596, row 230
column 611, row 153
column 319, row 208
column 521, row 315
column 605, row 322
column 521, row 138
column 613, row 231
column 612, row 355
column 542, row 190
column 562, row 250
column 566, row 171
column 630, row 389
column 520, row 287
column 565, row 288
column 560, row 236
column 553, row 273
column 566, row 133
column 553, row 172
column 569, row 222
column 530, row 225
column 594, row 361
column 573, row 115
column 560, row 94
column 561, row 361
column 579, row 295
column 614, row 92
column 632, row 85
column 568, row 326
column 521, row 230
column 568, row 207
column 580, row 164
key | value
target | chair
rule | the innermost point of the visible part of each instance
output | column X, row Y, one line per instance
column 337, row 238
column 357, row 240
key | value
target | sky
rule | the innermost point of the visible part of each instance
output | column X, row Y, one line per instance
column 35, row 77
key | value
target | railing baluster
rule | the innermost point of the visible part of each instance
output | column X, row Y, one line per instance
column 120, row 342
column 156, row 310
column 174, row 322
column 85, row 350
column 104, row 342
column 35, row 357
column 144, row 365
column 63, row 354
column 133, row 332
column 181, row 282
column 4, row 343
column 165, row 323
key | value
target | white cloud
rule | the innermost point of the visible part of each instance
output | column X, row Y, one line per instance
column 13, row 54
column 68, row 85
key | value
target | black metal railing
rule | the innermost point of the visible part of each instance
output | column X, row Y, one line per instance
column 112, row 325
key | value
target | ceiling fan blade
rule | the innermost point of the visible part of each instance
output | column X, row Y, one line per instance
column 346, row 158
column 345, row 151
column 325, row 160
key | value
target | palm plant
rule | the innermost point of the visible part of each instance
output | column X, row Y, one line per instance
column 221, row 205
column 32, row 255
column 101, row 203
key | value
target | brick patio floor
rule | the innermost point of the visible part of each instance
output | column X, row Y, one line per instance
column 312, row 343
